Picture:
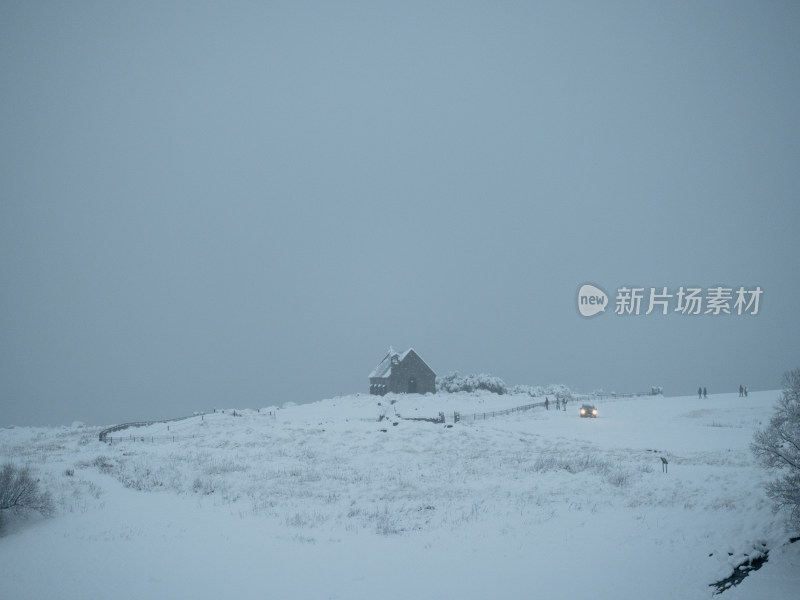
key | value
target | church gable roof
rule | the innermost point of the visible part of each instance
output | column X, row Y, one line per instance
column 384, row 368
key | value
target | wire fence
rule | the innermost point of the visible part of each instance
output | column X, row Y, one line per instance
column 104, row 437
column 614, row 396
column 146, row 438
column 558, row 403
column 457, row 416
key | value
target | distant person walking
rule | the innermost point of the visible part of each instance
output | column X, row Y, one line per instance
column 700, row 393
column 745, row 391
column 546, row 403
column 705, row 393
column 741, row 391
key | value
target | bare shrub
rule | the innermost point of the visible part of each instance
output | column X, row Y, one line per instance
column 103, row 464
column 777, row 447
column 573, row 465
column 385, row 522
column 204, row 486
column 618, row 478
column 20, row 493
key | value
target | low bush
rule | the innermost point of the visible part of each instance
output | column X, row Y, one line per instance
column 554, row 390
column 456, row 382
column 20, row 493
column 777, row 448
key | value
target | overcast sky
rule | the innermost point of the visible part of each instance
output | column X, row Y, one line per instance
column 240, row 204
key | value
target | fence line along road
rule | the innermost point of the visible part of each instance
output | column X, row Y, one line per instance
column 456, row 416
column 482, row 416
column 453, row 417
column 146, row 438
column 120, row 427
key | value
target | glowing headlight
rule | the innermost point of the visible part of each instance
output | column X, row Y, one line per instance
column 583, row 411
column 594, row 412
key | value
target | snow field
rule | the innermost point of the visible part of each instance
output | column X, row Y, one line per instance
column 318, row 501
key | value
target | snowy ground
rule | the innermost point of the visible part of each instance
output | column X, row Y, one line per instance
column 325, row 501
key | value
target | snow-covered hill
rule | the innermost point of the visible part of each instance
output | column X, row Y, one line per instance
column 327, row 501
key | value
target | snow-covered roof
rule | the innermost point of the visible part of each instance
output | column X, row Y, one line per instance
column 384, row 368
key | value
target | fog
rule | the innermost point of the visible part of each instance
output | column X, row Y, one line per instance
column 244, row 204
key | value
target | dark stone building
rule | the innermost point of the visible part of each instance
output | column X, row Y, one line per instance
column 402, row 373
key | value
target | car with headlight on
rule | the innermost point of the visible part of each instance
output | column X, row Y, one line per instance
column 588, row 410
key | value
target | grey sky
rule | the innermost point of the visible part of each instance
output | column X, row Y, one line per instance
column 242, row 204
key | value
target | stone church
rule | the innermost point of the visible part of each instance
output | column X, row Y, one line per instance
column 402, row 373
